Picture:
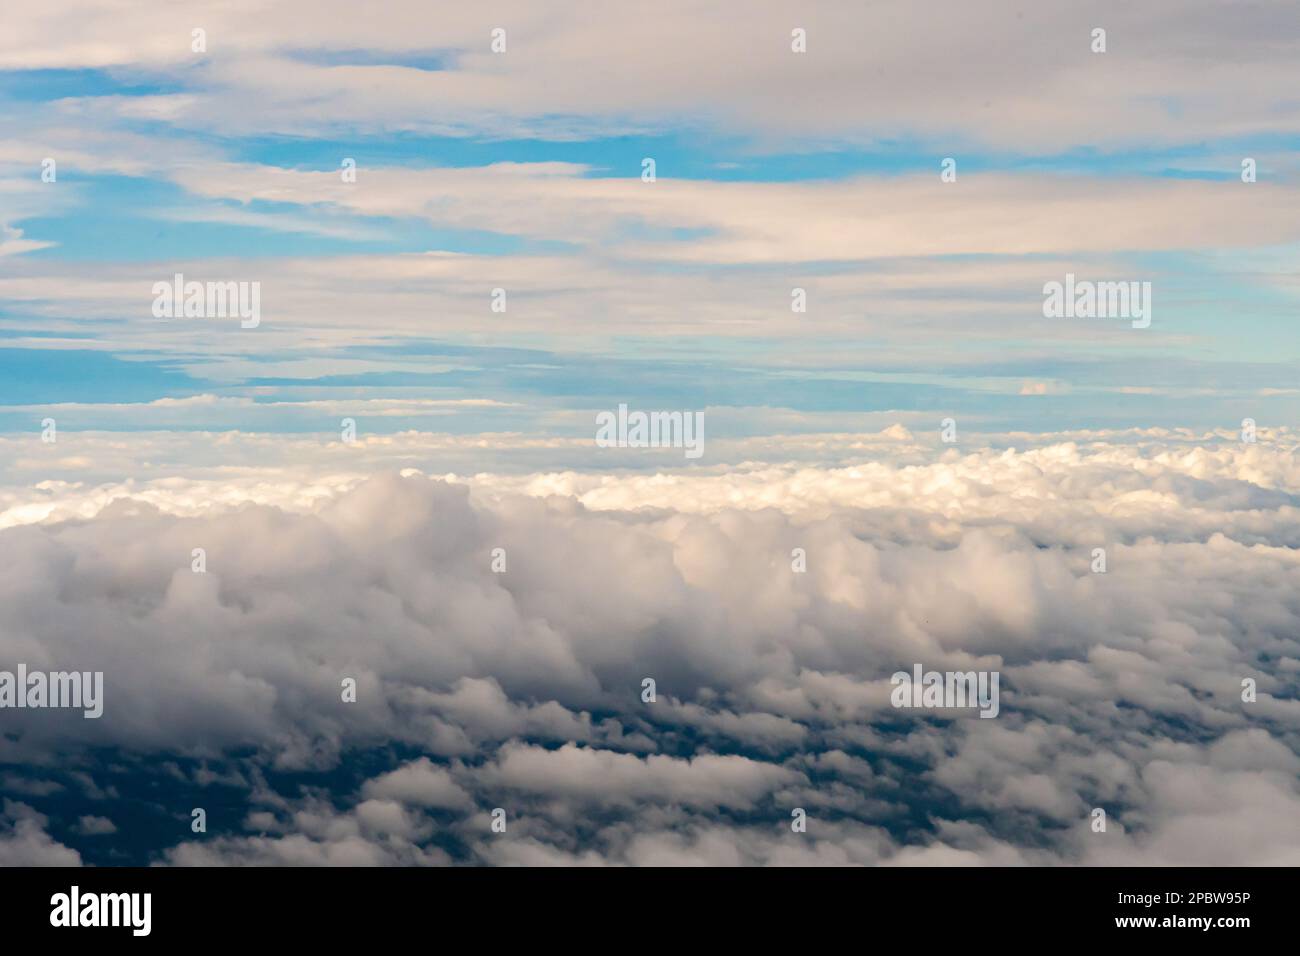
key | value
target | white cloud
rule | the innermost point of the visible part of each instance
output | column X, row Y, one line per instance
column 24, row 842
column 522, row 690
column 1022, row 75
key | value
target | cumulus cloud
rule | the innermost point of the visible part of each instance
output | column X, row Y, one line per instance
column 522, row 690
column 25, row 842
column 96, row 826
column 419, row 783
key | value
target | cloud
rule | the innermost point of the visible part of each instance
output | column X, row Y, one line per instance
column 419, row 783
column 1171, row 72
column 12, row 242
column 96, row 826
column 24, row 842
column 756, row 222
column 375, row 652
column 373, row 833
column 522, row 689
column 603, row 777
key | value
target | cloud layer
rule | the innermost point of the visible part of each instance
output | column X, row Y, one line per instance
column 1001, row 72
column 521, row 690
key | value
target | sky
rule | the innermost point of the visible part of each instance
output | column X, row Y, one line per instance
column 774, row 170
column 458, row 250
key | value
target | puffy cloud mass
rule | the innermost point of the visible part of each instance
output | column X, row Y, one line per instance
column 500, row 632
